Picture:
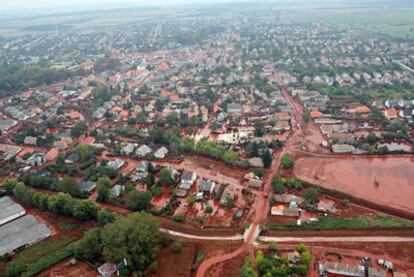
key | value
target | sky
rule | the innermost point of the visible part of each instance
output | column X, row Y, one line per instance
column 45, row 6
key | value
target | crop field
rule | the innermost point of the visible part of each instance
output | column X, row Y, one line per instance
column 397, row 22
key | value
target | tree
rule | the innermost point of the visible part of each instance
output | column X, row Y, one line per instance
column 247, row 270
column 229, row 202
column 69, row 185
column 259, row 129
column 286, row 161
column 61, row 203
column 277, row 184
column 177, row 246
column 79, row 129
column 102, row 188
column 135, row 238
column 105, row 217
column 9, row 185
column 371, row 138
column 310, row 195
column 85, row 210
column 165, row 177
column 267, row 158
column 89, row 247
column 139, row 201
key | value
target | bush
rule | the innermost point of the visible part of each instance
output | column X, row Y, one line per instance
column 191, row 200
column 346, row 202
column 177, row 246
column 209, row 209
column 178, row 218
column 310, row 195
column 14, row 269
column 287, row 161
column 153, row 267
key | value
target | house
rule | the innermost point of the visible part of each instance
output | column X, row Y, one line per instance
column 342, row 269
column 117, row 190
column 373, row 272
column 255, row 183
column 206, row 187
column 187, row 180
column 161, row 153
column 86, row 186
column 293, row 257
column 406, row 113
column 256, row 162
column 127, row 149
column 116, row 164
column 9, row 151
column 37, row 159
column 342, row 148
column 107, row 269
column 284, row 211
column 326, row 206
column 391, row 113
column 234, row 108
column 390, row 103
column 143, row 151
column 51, row 155
column 6, row 124
column 315, row 114
column 9, row 210
column 30, row 140
column 72, row 158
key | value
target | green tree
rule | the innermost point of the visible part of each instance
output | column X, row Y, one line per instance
column 286, row 161
column 277, row 184
column 69, row 185
column 9, row 185
column 247, row 269
column 311, row 195
column 371, row 138
column 105, row 217
column 89, row 247
column 267, row 158
column 103, row 189
column 135, row 238
column 85, row 210
column 61, row 203
column 165, row 177
column 139, row 201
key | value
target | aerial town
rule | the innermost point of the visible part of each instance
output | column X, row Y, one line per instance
column 224, row 141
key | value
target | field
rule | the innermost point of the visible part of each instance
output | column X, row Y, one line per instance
column 395, row 22
column 183, row 263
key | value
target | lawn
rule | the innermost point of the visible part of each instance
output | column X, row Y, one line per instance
column 360, row 222
column 41, row 256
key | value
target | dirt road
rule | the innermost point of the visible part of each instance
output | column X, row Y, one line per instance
column 338, row 239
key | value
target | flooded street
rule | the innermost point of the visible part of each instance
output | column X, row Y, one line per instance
column 385, row 181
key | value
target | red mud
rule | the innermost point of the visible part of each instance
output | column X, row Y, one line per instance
column 384, row 181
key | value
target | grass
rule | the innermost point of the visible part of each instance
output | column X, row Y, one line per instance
column 42, row 255
column 360, row 222
column 66, row 226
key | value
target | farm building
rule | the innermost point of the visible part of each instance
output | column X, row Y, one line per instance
column 9, row 210
column 22, row 232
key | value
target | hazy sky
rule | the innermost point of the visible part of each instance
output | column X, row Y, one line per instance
column 42, row 6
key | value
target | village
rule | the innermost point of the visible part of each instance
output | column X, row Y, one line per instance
column 243, row 133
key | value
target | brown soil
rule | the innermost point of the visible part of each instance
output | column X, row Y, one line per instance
column 230, row 268
column 81, row 269
column 196, row 229
column 384, row 181
column 171, row 264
